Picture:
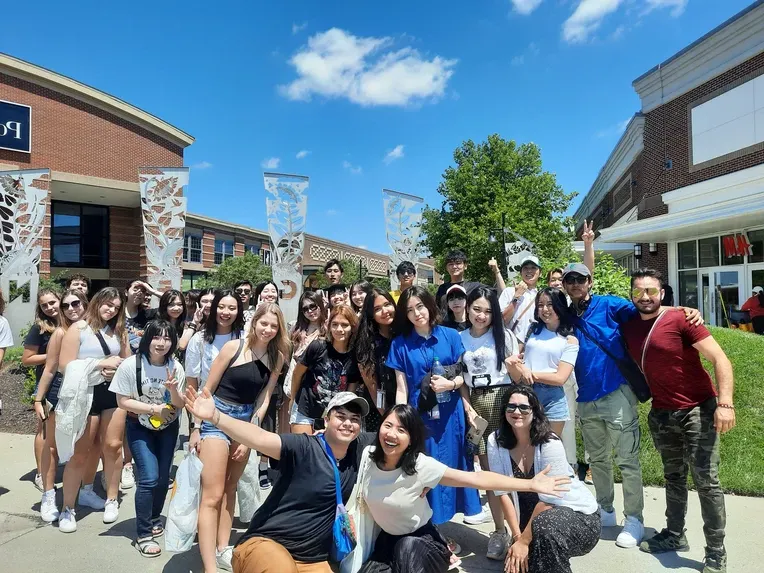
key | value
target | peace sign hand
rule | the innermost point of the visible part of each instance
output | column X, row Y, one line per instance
column 588, row 234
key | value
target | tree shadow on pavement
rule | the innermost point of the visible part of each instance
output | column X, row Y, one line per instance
column 674, row 560
column 4, row 490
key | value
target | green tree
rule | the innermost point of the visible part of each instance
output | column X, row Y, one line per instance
column 249, row 267
column 490, row 178
column 609, row 277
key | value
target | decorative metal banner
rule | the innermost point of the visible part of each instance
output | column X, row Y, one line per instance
column 23, row 202
column 287, row 208
column 163, row 208
column 515, row 253
column 403, row 221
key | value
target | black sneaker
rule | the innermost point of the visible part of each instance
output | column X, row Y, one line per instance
column 715, row 561
column 265, row 481
column 665, row 541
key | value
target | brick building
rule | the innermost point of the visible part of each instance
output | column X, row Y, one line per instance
column 683, row 190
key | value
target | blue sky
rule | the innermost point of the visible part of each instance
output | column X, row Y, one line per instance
column 363, row 95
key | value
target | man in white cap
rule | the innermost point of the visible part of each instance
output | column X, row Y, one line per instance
column 292, row 530
column 755, row 308
column 519, row 301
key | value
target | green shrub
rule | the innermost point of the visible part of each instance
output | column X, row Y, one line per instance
column 12, row 363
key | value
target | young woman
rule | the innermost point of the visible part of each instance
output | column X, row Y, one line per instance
column 72, row 309
column 223, row 324
column 326, row 367
column 173, row 309
column 455, row 315
column 547, row 531
column 359, row 290
column 266, row 292
column 242, row 380
column 419, row 341
column 148, row 392
column 35, row 348
column 375, row 333
column 337, row 294
column 102, row 329
column 392, row 487
column 550, row 353
column 486, row 346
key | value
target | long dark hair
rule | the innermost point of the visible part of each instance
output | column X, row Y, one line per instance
column 402, row 324
column 164, row 302
column 300, row 329
column 211, row 325
column 412, row 423
column 541, row 431
column 497, row 320
column 160, row 327
column 368, row 329
column 259, row 290
column 560, row 307
column 365, row 286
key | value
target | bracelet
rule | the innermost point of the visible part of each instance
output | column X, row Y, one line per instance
column 727, row 406
column 215, row 420
column 454, row 382
column 39, row 401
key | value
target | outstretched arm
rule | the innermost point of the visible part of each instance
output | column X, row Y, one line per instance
column 541, row 483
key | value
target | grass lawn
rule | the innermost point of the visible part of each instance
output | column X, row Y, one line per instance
column 742, row 449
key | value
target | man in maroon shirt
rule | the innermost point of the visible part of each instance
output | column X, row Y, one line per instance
column 686, row 416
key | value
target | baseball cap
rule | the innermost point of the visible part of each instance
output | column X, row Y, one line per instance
column 344, row 398
column 758, row 289
column 456, row 289
column 530, row 259
column 577, row 268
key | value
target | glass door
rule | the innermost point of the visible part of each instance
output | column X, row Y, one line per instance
column 722, row 295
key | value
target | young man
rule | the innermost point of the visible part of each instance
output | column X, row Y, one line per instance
column 79, row 282
column 292, row 530
column 406, row 273
column 333, row 271
column 337, row 294
column 519, row 301
column 136, row 315
column 456, row 266
column 244, row 290
column 686, row 416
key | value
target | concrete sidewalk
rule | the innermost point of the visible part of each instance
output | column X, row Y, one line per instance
column 28, row 544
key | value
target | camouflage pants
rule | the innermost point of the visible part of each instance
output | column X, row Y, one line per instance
column 687, row 439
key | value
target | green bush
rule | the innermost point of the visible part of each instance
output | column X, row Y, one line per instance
column 12, row 362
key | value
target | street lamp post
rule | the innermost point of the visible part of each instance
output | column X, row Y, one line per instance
column 492, row 239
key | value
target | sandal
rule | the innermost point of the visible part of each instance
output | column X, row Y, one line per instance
column 144, row 547
column 157, row 531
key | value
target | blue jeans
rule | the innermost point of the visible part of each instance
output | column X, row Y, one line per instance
column 152, row 454
column 241, row 412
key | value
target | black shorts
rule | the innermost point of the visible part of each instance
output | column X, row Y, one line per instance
column 103, row 399
column 55, row 387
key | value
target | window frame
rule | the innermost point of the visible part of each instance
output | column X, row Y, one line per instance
column 187, row 249
column 223, row 254
column 81, row 262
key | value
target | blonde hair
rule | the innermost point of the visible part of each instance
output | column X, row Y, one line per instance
column 45, row 323
column 93, row 316
column 279, row 346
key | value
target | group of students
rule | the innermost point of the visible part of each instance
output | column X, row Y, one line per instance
column 434, row 382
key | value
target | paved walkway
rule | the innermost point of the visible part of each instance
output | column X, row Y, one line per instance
column 28, row 544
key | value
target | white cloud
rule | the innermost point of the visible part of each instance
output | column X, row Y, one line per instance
column 271, row 163
column 532, row 51
column 614, row 130
column 518, row 60
column 297, row 28
column 331, row 212
column 525, row 7
column 586, row 18
column 302, row 154
column 366, row 71
column 393, row 154
column 677, row 6
column 364, row 247
column 354, row 169
column 202, row 165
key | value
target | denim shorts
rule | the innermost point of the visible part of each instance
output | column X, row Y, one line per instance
column 241, row 412
column 553, row 400
column 296, row 418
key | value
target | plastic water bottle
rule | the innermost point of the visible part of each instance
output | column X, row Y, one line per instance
column 438, row 370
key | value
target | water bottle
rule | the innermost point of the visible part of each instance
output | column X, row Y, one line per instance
column 438, row 370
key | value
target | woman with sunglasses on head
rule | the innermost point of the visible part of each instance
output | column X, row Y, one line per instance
column 146, row 385
column 375, row 333
column 549, row 356
column 358, row 292
column 242, row 380
column 100, row 336
column 224, row 323
column 35, row 347
column 546, row 530
column 325, row 368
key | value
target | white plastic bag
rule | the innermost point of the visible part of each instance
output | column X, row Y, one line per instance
column 248, row 492
column 183, row 514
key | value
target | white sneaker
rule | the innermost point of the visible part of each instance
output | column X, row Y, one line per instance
column 67, row 522
column 631, row 534
column 223, row 558
column 482, row 517
column 48, row 510
column 38, row 483
column 608, row 518
column 91, row 499
column 497, row 545
column 111, row 511
column 128, row 477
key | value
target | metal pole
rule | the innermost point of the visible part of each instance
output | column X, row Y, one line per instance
column 504, row 239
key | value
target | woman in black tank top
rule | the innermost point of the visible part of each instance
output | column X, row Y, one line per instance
column 242, row 380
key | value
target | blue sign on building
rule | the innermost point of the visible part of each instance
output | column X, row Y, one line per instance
column 15, row 127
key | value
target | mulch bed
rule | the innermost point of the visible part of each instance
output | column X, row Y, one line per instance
column 17, row 417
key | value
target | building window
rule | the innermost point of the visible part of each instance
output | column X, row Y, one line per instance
column 79, row 235
column 688, row 289
column 756, row 238
column 250, row 248
column 687, row 255
column 223, row 250
column 709, row 252
column 191, row 280
column 192, row 248
column 628, row 262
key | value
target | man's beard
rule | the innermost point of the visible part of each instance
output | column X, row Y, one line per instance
column 652, row 310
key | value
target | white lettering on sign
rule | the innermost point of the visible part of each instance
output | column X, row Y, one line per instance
column 13, row 126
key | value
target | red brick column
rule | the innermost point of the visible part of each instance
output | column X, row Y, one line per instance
column 238, row 249
column 126, row 253
column 208, row 249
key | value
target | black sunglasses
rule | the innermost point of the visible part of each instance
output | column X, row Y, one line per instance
column 310, row 308
column 575, row 279
column 73, row 304
column 524, row 408
column 243, row 291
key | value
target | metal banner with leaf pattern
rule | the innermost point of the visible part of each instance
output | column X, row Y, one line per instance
column 163, row 212
column 516, row 252
column 403, row 221
column 287, row 207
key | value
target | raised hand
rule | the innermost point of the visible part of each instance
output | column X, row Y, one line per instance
column 520, row 289
column 550, row 485
column 587, row 236
column 200, row 405
column 198, row 315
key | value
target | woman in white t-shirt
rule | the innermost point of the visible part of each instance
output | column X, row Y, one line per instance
column 550, row 353
column 486, row 346
column 153, row 411
column 392, row 484
column 223, row 324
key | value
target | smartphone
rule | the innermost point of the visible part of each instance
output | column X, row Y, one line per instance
column 474, row 435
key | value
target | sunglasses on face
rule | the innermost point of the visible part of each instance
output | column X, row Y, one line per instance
column 524, row 408
column 310, row 308
column 243, row 291
column 651, row 291
column 575, row 279
column 73, row 304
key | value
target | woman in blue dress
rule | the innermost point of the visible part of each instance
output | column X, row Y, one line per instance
column 418, row 342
